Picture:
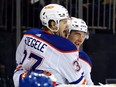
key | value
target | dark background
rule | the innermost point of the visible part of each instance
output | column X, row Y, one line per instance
column 102, row 50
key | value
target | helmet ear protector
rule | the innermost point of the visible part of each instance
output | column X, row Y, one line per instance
column 77, row 24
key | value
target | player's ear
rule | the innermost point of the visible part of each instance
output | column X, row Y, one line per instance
column 52, row 24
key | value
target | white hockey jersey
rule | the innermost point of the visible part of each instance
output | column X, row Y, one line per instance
column 86, row 66
column 39, row 50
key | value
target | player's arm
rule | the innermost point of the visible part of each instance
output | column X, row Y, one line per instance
column 89, row 80
column 70, row 67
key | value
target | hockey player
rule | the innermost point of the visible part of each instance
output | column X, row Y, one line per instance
column 77, row 34
column 48, row 49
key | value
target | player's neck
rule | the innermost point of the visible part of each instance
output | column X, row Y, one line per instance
column 48, row 31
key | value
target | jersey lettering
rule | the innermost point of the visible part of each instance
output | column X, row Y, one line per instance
column 38, row 60
column 36, row 44
column 76, row 65
column 25, row 54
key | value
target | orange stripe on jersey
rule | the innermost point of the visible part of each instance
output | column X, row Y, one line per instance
column 18, row 68
column 23, row 75
column 84, row 82
column 51, row 44
column 86, row 62
column 47, row 73
column 54, row 83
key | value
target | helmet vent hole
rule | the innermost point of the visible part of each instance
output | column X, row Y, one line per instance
column 43, row 17
column 44, row 13
column 76, row 25
column 61, row 15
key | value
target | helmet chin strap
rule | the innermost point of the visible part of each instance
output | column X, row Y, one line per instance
column 68, row 33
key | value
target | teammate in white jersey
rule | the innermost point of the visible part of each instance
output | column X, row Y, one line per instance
column 77, row 34
column 48, row 49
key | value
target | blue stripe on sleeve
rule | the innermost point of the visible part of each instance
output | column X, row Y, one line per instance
column 85, row 57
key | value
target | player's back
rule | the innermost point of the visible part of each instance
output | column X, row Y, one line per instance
column 43, row 51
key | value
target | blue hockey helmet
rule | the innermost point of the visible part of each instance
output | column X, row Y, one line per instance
column 35, row 79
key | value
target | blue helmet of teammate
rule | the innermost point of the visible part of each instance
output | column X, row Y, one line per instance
column 35, row 79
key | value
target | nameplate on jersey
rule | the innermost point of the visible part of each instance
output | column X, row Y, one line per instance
column 36, row 44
